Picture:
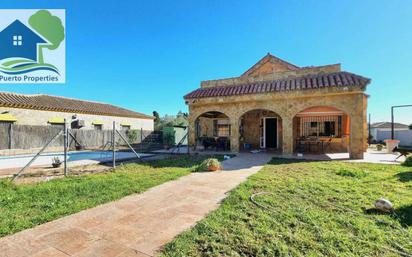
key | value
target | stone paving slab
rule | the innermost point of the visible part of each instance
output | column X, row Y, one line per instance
column 139, row 224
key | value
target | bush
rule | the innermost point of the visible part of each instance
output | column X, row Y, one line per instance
column 354, row 173
column 169, row 136
column 408, row 161
column 132, row 136
column 206, row 164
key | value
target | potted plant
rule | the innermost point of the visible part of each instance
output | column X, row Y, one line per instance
column 210, row 164
column 56, row 162
column 379, row 147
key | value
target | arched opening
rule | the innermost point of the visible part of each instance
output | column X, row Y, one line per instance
column 212, row 131
column 321, row 129
column 260, row 129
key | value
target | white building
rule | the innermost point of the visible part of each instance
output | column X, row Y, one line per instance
column 46, row 110
column 382, row 130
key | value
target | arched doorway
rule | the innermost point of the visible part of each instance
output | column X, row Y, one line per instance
column 260, row 129
column 212, row 131
column 321, row 129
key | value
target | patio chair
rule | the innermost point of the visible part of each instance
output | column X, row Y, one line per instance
column 209, row 142
column 222, row 143
column 300, row 145
column 326, row 145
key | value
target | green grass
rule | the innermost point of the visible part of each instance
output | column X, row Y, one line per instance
column 315, row 209
column 25, row 206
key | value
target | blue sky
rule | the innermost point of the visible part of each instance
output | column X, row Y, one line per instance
column 145, row 55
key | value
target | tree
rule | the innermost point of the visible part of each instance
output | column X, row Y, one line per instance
column 410, row 126
column 48, row 26
column 181, row 119
column 156, row 115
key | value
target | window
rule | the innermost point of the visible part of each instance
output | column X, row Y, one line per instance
column 329, row 129
column 221, row 128
column 57, row 125
column 17, row 40
column 2, row 122
column 321, row 126
column 125, row 127
column 98, row 126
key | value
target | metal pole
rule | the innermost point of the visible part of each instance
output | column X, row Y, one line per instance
column 369, row 130
column 114, row 144
column 131, row 148
column 187, row 135
column 10, row 135
column 73, row 138
column 393, row 119
column 38, row 154
column 65, row 141
column 392, row 125
column 141, row 140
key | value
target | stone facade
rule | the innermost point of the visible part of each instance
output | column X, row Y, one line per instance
column 284, row 104
column 41, row 117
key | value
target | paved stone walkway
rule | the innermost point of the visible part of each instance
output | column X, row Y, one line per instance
column 136, row 225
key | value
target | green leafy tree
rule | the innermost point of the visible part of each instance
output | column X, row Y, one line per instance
column 410, row 126
column 48, row 26
column 156, row 115
column 181, row 119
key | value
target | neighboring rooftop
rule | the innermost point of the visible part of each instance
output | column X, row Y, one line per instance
column 63, row 104
column 272, row 74
column 388, row 125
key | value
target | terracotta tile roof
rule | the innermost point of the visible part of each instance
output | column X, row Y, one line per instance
column 337, row 79
column 63, row 104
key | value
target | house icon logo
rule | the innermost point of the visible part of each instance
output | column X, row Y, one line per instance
column 32, row 46
column 19, row 41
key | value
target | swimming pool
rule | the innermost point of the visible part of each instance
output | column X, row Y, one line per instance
column 80, row 157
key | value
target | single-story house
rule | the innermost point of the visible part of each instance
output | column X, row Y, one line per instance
column 279, row 106
column 380, row 131
column 47, row 110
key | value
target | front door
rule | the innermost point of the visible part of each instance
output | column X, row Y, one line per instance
column 271, row 131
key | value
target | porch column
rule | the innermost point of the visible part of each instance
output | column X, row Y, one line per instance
column 192, row 131
column 357, row 136
column 287, row 135
column 234, row 134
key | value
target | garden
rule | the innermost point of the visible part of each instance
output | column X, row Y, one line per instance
column 28, row 205
column 301, row 208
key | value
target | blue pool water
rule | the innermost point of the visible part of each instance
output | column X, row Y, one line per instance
column 46, row 158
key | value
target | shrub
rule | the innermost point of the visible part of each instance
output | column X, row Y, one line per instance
column 168, row 136
column 132, row 136
column 206, row 164
column 408, row 161
column 354, row 173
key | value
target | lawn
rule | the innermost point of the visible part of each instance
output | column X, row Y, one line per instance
column 25, row 206
column 310, row 209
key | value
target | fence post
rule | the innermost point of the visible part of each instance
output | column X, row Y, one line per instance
column 141, row 140
column 187, row 138
column 65, row 143
column 37, row 155
column 114, row 144
column 10, row 135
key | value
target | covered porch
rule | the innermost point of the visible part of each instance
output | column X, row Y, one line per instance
column 260, row 129
column 321, row 130
column 212, row 131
